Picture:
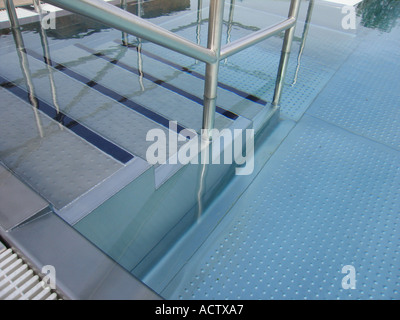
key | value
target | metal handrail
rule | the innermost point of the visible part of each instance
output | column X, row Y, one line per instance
column 124, row 21
column 256, row 37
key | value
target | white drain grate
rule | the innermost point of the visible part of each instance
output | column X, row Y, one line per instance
column 19, row 282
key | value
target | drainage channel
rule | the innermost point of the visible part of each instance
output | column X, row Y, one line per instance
column 19, row 282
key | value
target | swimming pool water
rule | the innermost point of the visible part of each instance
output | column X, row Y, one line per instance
column 324, row 193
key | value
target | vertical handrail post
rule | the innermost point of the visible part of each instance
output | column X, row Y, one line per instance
column 216, row 17
column 287, row 45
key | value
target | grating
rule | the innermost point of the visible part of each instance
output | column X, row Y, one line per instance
column 18, row 281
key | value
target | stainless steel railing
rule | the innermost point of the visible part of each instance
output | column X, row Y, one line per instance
column 124, row 21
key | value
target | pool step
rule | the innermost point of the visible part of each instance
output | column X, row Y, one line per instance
column 18, row 203
column 171, row 103
column 169, row 89
column 133, row 212
column 101, row 113
column 181, row 76
column 53, row 160
column 70, row 172
column 124, row 208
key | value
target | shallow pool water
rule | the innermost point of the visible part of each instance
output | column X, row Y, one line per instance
column 324, row 192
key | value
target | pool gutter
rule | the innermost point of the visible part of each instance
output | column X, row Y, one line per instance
column 83, row 272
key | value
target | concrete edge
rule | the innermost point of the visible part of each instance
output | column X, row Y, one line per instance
column 83, row 272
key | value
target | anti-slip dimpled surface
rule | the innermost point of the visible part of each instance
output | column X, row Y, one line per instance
column 328, row 198
column 60, row 166
column 318, row 205
column 254, row 70
column 369, row 102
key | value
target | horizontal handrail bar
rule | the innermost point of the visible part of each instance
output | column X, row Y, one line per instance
column 256, row 37
column 122, row 20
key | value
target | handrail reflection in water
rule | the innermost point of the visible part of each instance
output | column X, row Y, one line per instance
column 46, row 55
column 23, row 60
column 303, row 39
column 212, row 55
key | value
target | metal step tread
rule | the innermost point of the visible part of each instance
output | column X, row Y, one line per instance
column 18, row 203
column 169, row 104
column 43, row 154
column 107, row 117
column 184, row 78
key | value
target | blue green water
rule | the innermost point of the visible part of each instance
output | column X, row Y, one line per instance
column 324, row 193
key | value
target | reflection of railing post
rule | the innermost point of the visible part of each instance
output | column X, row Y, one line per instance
column 230, row 24
column 19, row 43
column 199, row 20
column 211, row 78
column 230, row 21
column 125, row 39
column 287, row 45
column 139, row 48
column 303, row 39
column 46, row 54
